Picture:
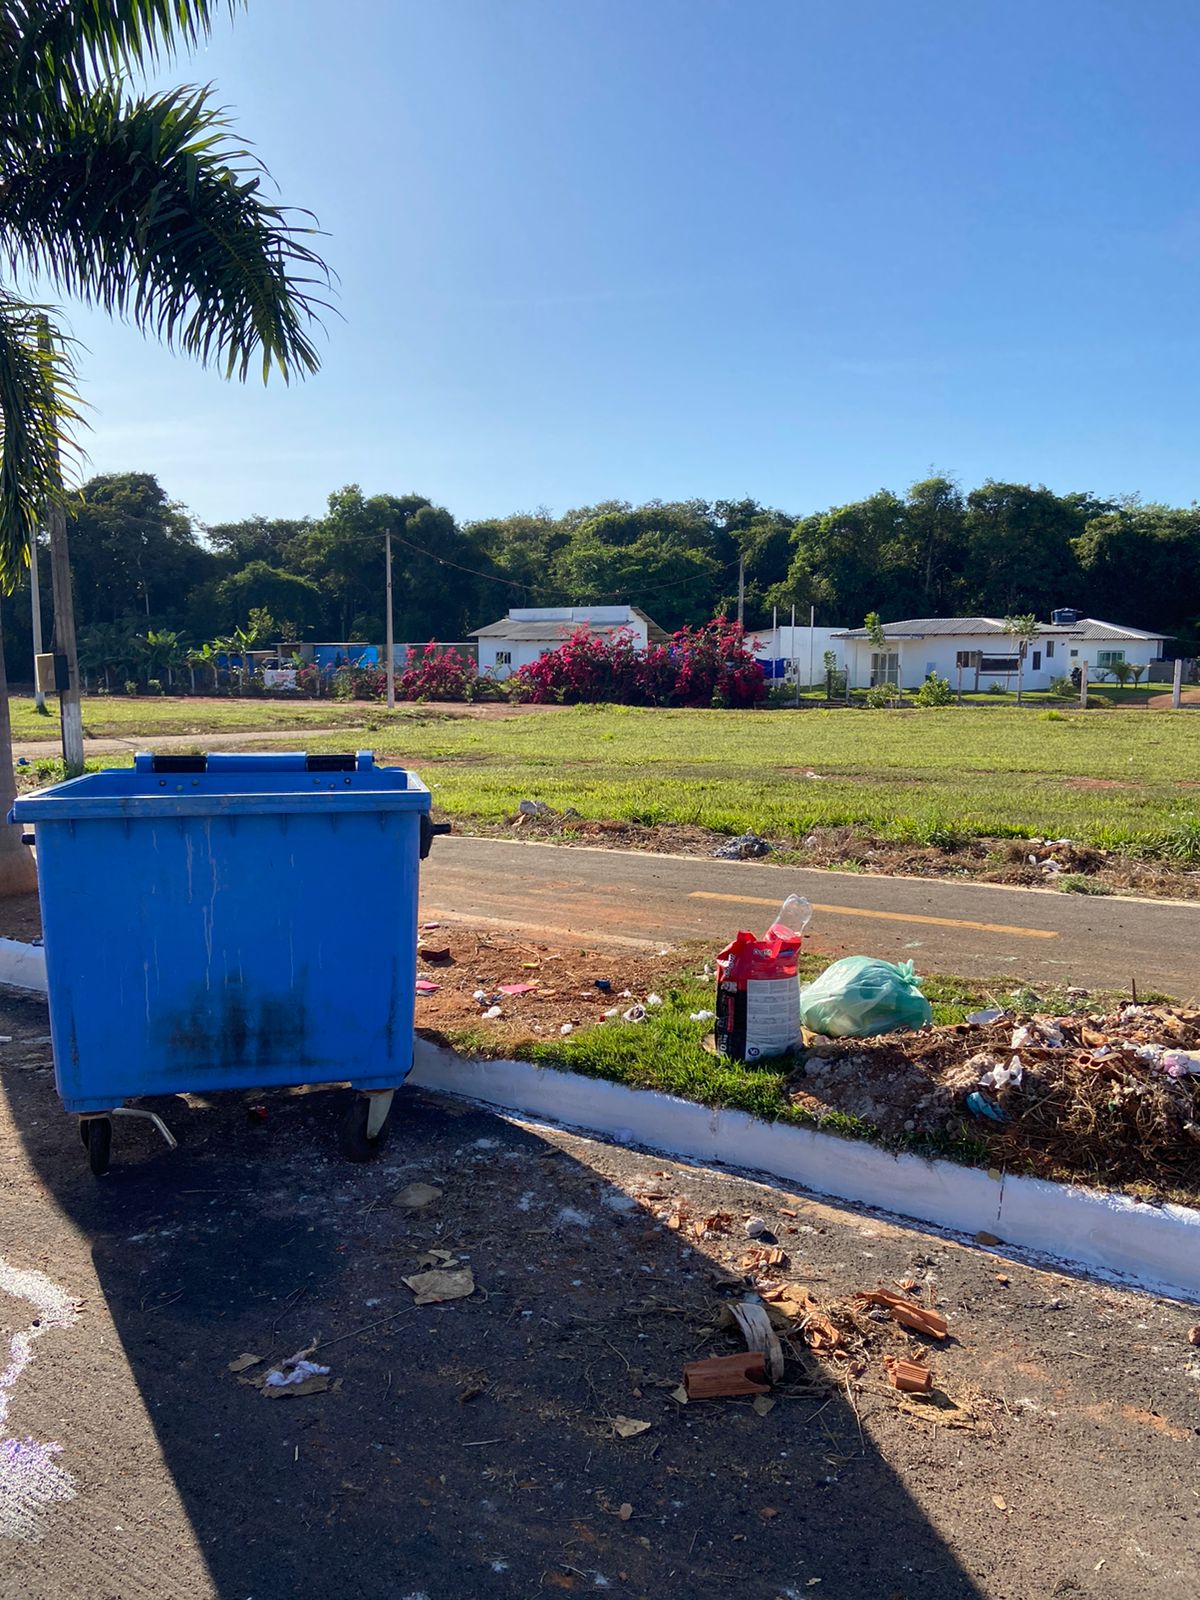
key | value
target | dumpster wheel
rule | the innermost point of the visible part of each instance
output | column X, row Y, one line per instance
column 96, row 1133
column 354, row 1139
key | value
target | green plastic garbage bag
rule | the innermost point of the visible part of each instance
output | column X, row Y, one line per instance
column 858, row 996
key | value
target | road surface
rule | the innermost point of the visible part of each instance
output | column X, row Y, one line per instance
column 977, row 930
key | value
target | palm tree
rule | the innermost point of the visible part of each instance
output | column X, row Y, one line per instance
column 142, row 204
column 1024, row 630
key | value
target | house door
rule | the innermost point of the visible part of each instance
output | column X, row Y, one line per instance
column 885, row 667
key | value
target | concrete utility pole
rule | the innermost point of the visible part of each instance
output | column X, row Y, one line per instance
column 69, row 708
column 1177, row 684
column 391, row 636
column 35, row 601
column 1083, row 685
column 741, row 586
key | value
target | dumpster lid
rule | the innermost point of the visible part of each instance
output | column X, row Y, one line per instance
column 228, row 783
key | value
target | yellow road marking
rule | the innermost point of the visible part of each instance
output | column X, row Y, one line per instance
column 889, row 916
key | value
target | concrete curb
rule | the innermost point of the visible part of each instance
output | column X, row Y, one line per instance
column 1154, row 1248
column 22, row 966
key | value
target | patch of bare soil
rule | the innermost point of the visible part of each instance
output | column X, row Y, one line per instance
column 21, row 917
column 1080, row 1096
column 476, row 974
column 1023, row 863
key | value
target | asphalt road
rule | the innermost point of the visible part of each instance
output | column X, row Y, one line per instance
column 472, row 1449
column 977, row 930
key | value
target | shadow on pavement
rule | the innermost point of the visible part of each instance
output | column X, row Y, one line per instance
column 469, row 1448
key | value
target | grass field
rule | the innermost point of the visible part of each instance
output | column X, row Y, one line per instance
column 119, row 716
column 1120, row 779
column 1116, row 779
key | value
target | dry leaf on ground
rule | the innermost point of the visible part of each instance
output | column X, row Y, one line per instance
column 628, row 1427
column 414, row 1196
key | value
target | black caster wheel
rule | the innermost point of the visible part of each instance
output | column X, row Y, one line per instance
column 96, row 1134
column 352, row 1132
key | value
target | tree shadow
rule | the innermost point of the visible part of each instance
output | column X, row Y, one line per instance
column 467, row 1448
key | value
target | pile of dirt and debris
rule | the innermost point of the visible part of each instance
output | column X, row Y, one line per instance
column 1065, row 864
column 514, row 989
column 1112, row 1099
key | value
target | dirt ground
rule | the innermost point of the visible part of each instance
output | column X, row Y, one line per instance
column 1021, row 863
column 475, row 1447
column 564, row 987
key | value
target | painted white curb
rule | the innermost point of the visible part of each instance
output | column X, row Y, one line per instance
column 22, row 966
column 1156, row 1248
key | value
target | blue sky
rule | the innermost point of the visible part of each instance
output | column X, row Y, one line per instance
column 794, row 249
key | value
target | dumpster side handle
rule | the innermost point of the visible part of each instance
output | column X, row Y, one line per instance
column 429, row 832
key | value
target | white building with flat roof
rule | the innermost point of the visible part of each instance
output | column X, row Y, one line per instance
column 979, row 648
column 528, row 632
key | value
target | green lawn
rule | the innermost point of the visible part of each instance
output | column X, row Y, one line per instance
column 910, row 775
column 1120, row 779
column 121, row 716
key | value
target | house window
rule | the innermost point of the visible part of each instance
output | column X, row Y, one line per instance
column 1037, row 660
column 1074, row 653
column 1109, row 658
column 885, row 667
column 997, row 666
column 1049, row 649
column 504, row 658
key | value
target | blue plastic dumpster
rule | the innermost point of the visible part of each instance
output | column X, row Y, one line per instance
column 229, row 922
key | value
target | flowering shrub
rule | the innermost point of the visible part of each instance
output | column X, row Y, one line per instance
column 707, row 666
column 432, row 675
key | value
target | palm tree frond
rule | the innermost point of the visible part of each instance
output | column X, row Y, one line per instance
column 52, row 51
column 38, row 408
column 146, row 208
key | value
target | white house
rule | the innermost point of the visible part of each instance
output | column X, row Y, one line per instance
column 797, row 653
column 526, row 633
column 979, row 649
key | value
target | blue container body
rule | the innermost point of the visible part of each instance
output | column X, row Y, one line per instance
column 250, row 925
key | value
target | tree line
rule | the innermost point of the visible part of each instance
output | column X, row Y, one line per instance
column 145, row 569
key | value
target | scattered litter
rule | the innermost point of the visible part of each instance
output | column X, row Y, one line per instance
column 859, row 996
column 442, row 1283
column 424, row 986
column 999, row 1076
column 745, row 847
column 567, row 1027
column 427, row 927
column 722, row 1377
column 533, row 808
column 912, row 1377
column 1179, row 1063
column 754, row 1226
column 980, row 1106
column 761, row 1404
column 758, row 998
column 604, row 985
column 634, row 1014
column 625, row 1511
column 1000, row 1503
column 628, row 1427
column 432, row 953
column 702, row 1016
column 415, row 1196
column 921, row 1319
column 981, row 1019
column 492, row 1012
column 654, row 1000
column 514, row 989
column 680, row 1394
column 754, row 1323
column 257, row 1113
column 614, row 1011
column 300, row 1377
column 242, row 1363
column 480, row 995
